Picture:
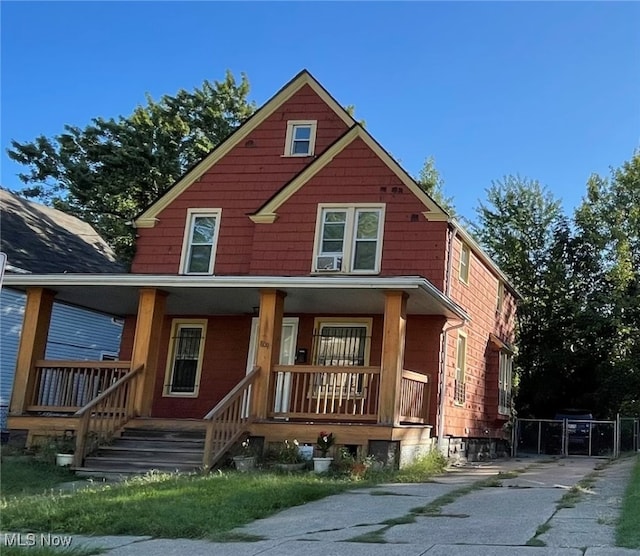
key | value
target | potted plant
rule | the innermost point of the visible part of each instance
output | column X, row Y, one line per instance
column 324, row 442
column 64, row 448
column 245, row 457
column 288, row 456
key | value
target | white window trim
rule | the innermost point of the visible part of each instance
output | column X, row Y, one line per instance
column 109, row 356
column 464, row 363
column 464, row 247
column 288, row 143
column 366, row 322
column 349, row 239
column 168, row 375
column 500, row 299
column 505, row 369
column 192, row 213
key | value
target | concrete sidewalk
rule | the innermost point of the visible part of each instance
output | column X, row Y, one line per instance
column 515, row 516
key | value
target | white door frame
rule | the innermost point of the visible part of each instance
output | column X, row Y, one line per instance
column 288, row 343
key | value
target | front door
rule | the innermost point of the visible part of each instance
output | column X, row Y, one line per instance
column 287, row 357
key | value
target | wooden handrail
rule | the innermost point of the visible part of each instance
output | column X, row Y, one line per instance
column 414, row 397
column 62, row 386
column 105, row 414
column 46, row 363
column 329, row 392
column 227, row 421
column 412, row 375
column 329, row 369
column 93, row 403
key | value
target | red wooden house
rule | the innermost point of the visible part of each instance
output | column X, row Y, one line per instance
column 296, row 280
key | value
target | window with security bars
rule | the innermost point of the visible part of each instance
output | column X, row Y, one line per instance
column 186, row 358
column 342, row 345
column 504, row 383
column 459, row 394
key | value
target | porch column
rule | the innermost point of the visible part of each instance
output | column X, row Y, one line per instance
column 393, row 340
column 268, row 350
column 33, row 344
column 146, row 345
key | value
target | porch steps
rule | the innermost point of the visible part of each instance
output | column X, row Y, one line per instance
column 140, row 450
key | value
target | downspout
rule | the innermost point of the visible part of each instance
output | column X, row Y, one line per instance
column 444, row 344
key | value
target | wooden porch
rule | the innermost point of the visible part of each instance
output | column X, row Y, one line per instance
column 95, row 400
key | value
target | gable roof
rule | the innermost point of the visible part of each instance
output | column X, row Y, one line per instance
column 40, row 239
column 148, row 218
column 267, row 212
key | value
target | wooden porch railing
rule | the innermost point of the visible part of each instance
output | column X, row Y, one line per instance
column 103, row 416
column 325, row 392
column 66, row 386
column 228, row 420
column 414, row 398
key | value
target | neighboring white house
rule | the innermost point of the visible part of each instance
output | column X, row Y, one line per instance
column 40, row 239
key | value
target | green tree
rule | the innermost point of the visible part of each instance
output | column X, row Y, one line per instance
column 608, row 229
column 431, row 182
column 111, row 170
column 522, row 227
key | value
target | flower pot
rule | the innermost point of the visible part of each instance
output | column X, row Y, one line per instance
column 321, row 465
column 244, row 463
column 64, row 460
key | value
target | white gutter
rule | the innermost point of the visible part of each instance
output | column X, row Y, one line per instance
column 480, row 253
column 406, row 283
column 444, row 344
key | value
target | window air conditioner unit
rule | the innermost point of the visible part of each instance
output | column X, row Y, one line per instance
column 329, row 263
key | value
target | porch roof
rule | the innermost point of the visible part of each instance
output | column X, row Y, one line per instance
column 117, row 294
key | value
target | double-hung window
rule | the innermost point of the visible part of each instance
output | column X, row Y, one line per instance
column 349, row 239
column 301, row 138
column 184, row 364
column 200, row 240
column 461, row 367
column 465, row 263
column 504, row 383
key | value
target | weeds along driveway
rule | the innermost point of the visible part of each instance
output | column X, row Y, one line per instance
column 500, row 508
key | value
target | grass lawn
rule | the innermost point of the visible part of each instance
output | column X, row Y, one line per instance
column 24, row 475
column 628, row 529
column 169, row 506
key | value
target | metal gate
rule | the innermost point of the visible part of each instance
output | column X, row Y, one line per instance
column 567, row 437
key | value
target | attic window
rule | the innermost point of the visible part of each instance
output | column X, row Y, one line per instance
column 301, row 138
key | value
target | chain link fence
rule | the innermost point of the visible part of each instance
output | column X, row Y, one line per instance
column 576, row 437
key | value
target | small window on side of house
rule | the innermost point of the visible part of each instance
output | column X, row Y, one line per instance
column 459, row 395
column 301, row 138
column 465, row 263
column 500, row 297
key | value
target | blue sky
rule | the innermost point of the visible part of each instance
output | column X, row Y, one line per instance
column 547, row 90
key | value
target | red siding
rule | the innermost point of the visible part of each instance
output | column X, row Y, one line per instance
column 239, row 184
column 479, row 413
column 223, row 366
column 411, row 244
